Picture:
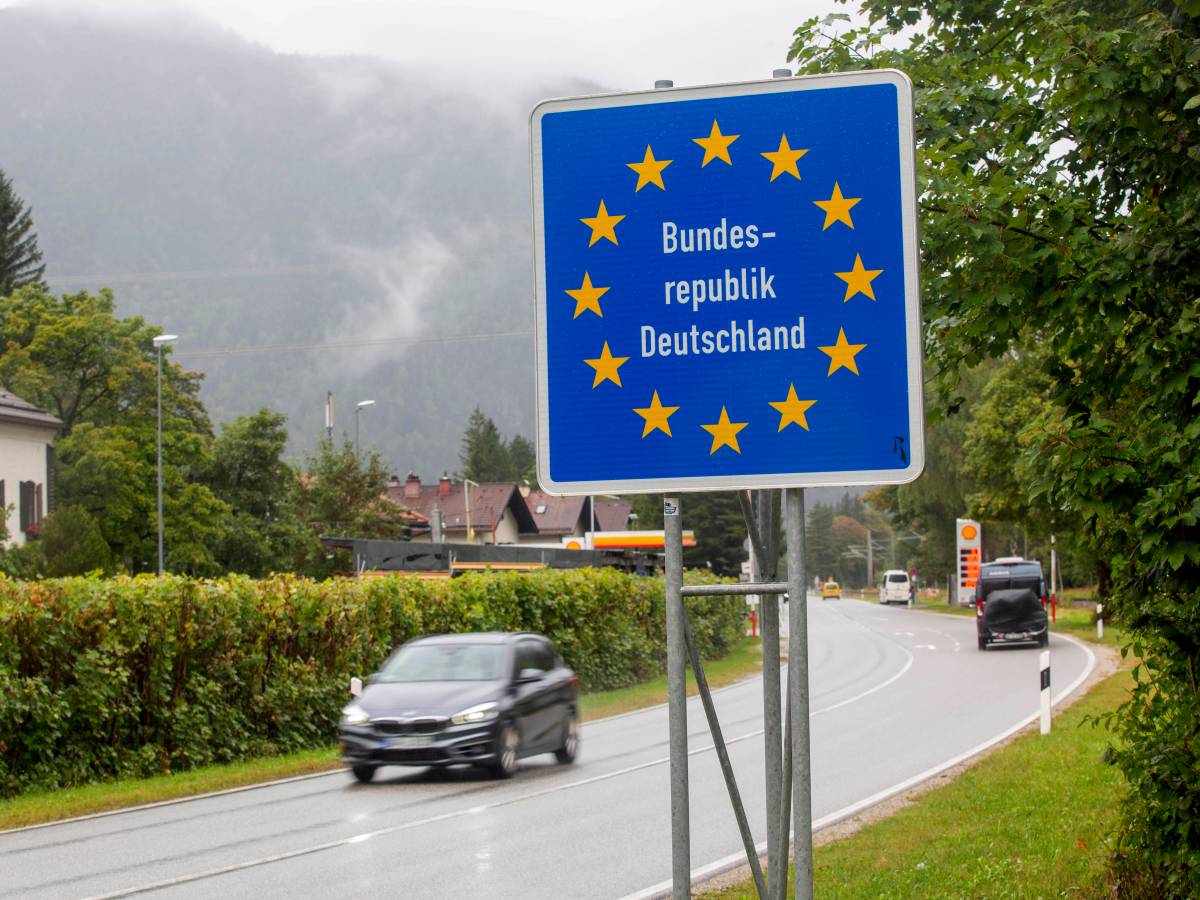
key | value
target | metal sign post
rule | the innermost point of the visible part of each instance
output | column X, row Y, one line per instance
column 681, row 854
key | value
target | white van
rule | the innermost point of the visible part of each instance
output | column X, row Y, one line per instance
column 896, row 587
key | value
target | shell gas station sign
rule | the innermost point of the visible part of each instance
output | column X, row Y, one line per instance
column 968, row 536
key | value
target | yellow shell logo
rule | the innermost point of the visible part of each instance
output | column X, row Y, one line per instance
column 969, row 532
column 574, row 545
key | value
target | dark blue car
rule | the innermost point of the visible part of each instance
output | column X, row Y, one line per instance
column 485, row 700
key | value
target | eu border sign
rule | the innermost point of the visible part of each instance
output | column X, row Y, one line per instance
column 727, row 287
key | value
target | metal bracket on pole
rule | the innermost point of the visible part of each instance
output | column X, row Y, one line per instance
column 681, row 851
column 714, row 725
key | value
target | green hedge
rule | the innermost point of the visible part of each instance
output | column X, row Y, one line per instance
column 120, row 677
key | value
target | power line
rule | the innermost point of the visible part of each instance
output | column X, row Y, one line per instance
column 218, row 352
column 196, row 274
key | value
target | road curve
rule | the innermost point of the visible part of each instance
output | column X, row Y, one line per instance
column 896, row 695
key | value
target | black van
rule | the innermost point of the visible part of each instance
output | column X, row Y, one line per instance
column 1010, row 605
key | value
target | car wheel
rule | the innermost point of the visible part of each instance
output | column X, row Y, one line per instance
column 1044, row 639
column 570, row 745
column 982, row 642
column 363, row 773
column 507, row 743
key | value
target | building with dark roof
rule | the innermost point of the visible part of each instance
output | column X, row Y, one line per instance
column 26, row 466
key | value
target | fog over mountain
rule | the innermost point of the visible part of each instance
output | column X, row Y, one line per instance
column 245, row 200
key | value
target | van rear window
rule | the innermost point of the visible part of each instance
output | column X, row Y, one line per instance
column 1016, row 570
column 897, row 578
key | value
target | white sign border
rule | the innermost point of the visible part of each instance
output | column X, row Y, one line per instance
column 912, row 290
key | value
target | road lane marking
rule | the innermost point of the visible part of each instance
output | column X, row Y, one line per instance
column 474, row 810
column 733, row 860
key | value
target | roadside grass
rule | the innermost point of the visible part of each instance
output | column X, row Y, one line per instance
column 1029, row 820
column 37, row 807
column 743, row 660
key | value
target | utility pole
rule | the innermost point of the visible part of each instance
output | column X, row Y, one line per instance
column 870, row 559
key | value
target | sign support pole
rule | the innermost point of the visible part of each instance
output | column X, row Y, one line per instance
column 798, row 692
column 681, row 853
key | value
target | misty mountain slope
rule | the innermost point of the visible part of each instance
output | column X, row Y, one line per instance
column 244, row 198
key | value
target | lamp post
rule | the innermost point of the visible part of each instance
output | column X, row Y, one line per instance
column 159, row 342
column 467, row 482
column 359, row 407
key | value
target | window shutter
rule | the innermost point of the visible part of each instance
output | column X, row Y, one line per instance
column 26, row 505
column 51, row 481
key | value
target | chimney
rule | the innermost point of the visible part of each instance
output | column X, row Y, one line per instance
column 444, row 485
column 412, row 487
column 394, row 482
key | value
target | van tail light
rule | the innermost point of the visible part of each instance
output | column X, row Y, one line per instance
column 979, row 607
column 574, row 680
column 1043, row 601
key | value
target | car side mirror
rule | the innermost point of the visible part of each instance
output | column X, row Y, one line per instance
column 356, row 686
column 528, row 676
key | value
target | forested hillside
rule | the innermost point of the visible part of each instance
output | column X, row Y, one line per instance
column 246, row 199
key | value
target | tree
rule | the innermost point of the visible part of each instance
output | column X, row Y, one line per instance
column 72, row 543
column 247, row 471
column 821, row 555
column 484, row 456
column 342, row 494
column 716, row 518
column 1058, row 192
column 522, row 458
column 20, row 258
column 72, row 356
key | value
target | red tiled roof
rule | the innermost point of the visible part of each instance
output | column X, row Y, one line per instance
column 612, row 515
column 556, row 515
column 488, row 502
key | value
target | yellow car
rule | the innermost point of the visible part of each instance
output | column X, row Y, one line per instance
column 831, row 589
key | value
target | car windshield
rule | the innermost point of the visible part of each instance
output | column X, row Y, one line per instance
column 897, row 577
column 444, row 662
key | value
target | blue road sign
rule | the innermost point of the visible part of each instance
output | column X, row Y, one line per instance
column 727, row 287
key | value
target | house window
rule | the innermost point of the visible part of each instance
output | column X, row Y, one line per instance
column 30, row 506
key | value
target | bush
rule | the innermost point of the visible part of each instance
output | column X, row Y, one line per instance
column 103, row 678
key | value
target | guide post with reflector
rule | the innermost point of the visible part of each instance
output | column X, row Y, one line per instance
column 968, row 537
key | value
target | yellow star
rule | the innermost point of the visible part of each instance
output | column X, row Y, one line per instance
column 792, row 409
column 587, row 297
column 841, row 354
column 656, row 416
column 724, row 433
column 858, row 280
column 716, row 145
column 837, row 207
column 649, row 170
column 602, row 224
column 606, row 367
column 784, row 159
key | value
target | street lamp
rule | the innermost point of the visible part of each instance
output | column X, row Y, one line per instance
column 359, row 407
column 159, row 342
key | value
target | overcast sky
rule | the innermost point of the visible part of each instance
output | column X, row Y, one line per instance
column 621, row 44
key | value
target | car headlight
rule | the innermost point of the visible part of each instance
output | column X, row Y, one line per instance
column 484, row 712
column 354, row 714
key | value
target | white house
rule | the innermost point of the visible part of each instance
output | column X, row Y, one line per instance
column 26, row 466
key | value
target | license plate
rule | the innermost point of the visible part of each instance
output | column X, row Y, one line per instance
column 408, row 741
column 1017, row 636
